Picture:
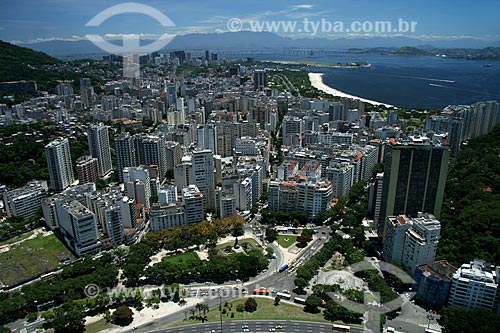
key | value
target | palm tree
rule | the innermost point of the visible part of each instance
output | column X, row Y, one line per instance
column 198, row 307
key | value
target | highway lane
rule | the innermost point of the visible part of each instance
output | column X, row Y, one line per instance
column 237, row 326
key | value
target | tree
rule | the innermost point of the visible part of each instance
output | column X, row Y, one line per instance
column 461, row 320
column 32, row 316
column 277, row 301
column 250, row 304
column 312, row 304
column 271, row 235
column 123, row 316
column 69, row 318
column 4, row 329
column 300, row 283
column 240, row 307
column 48, row 316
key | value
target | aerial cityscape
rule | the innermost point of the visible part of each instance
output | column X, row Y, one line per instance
column 189, row 166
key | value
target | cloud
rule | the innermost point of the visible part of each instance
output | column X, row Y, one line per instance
column 303, row 6
column 214, row 20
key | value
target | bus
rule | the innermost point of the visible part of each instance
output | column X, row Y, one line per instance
column 341, row 328
column 261, row 292
column 300, row 300
column 47, row 276
column 430, row 330
column 284, row 295
column 283, row 268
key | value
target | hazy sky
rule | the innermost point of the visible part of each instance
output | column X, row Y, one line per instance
column 25, row 20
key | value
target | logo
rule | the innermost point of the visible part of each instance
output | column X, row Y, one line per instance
column 371, row 307
column 131, row 48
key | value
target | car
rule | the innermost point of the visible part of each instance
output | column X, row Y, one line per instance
column 244, row 326
column 272, row 329
column 286, row 291
column 244, row 292
column 246, row 330
column 278, row 327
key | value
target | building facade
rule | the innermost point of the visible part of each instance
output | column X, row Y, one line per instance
column 59, row 163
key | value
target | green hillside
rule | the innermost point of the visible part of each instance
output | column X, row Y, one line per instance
column 20, row 63
column 16, row 55
column 471, row 212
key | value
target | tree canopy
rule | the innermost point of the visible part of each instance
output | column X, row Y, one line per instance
column 470, row 227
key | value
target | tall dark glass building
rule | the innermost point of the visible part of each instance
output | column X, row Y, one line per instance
column 414, row 177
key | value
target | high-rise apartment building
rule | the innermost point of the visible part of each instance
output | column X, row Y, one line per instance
column 193, row 204
column 99, row 148
column 203, row 176
column 411, row 242
column 125, row 154
column 421, row 242
column 86, row 93
column 475, row 286
column 25, row 201
column 59, row 163
column 87, row 169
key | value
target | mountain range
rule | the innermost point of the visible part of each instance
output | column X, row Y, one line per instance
column 247, row 41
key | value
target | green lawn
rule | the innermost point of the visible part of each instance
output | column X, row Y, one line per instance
column 265, row 310
column 187, row 257
column 30, row 258
column 99, row 326
column 286, row 240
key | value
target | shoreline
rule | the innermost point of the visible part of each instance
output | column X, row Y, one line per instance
column 316, row 80
column 320, row 64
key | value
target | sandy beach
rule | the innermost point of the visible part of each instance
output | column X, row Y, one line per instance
column 317, row 82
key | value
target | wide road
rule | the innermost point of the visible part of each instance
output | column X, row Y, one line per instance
column 237, row 326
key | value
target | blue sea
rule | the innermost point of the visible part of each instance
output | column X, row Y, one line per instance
column 411, row 81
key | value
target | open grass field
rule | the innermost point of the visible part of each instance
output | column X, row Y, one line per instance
column 265, row 310
column 186, row 257
column 31, row 258
column 99, row 326
column 286, row 240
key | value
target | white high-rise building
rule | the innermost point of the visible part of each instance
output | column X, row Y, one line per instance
column 98, row 138
column 26, row 200
column 193, row 204
column 78, row 227
column 59, row 163
column 421, row 242
column 475, row 286
column 243, row 193
column 411, row 241
column 203, row 174
column 342, row 177
column 394, row 242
